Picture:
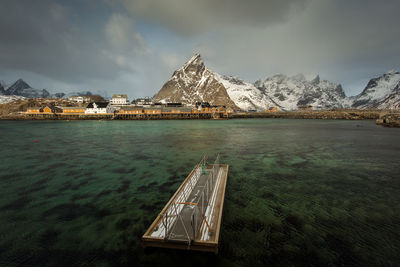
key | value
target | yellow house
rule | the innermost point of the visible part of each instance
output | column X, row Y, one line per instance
column 50, row 110
column 152, row 110
column 131, row 110
column 33, row 110
column 73, row 110
column 273, row 109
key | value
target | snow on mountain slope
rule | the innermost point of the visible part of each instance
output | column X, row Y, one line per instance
column 289, row 93
column 378, row 91
column 390, row 102
column 9, row 98
column 192, row 83
column 245, row 95
column 21, row 88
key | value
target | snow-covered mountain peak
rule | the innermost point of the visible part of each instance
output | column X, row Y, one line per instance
column 289, row 93
column 20, row 85
column 21, row 88
column 193, row 64
column 377, row 90
column 392, row 72
column 245, row 95
column 194, row 60
column 193, row 82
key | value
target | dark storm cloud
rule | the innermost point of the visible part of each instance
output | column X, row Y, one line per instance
column 46, row 37
column 346, row 41
column 194, row 16
column 117, row 45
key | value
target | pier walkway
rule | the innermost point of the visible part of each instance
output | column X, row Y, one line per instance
column 192, row 217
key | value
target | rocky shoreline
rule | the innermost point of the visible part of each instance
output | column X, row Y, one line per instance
column 323, row 114
column 385, row 118
column 389, row 120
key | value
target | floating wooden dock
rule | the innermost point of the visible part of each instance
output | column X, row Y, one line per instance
column 191, row 219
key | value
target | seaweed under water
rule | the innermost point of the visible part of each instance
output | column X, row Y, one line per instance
column 299, row 192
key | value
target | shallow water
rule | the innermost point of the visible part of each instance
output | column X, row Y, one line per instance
column 300, row 192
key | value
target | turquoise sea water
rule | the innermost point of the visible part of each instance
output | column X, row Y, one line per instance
column 299, row 192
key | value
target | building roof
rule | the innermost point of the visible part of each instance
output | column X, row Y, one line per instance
column 54, row 109
column 174, row 105
column 98, row 104
column 172, row 109
column 143, row 100
column 71, row 107
column 152, row 108
column 131, row 108
column 119, row 96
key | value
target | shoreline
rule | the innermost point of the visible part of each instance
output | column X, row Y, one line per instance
column 327, row 114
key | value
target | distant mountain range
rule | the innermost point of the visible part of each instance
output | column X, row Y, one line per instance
column 381, row 93
column 21, row 88
column 194, row 82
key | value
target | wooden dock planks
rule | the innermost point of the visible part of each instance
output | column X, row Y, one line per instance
column 202, row 242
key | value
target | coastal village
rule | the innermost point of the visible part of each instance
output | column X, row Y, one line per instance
column 120, row 107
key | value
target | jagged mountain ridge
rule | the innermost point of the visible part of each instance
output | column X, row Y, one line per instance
column 380, row 93
column 391, row 102
column 289, row 93
column 245, row 95
column 194, row 82
column 21, row 88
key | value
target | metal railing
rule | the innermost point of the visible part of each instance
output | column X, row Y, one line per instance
column 186, row 215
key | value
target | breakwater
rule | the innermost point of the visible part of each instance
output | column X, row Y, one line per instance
column 323, row 114
column 382, row 116
column 389, row 120
column 117, row 116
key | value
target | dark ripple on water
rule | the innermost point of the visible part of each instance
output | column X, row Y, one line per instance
column 306, row 193
column 17, row 204
column 72, row 211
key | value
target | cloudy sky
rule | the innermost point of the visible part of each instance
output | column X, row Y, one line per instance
column 133, row 46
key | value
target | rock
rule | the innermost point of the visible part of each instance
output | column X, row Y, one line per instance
column 389, row 120
column 192, row 83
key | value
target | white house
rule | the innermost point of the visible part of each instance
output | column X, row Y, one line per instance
column 142, row 102
column 79, row 99
column 119, row 100
column 99, row 108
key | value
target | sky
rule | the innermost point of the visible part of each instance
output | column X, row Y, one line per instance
column 134, row 46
